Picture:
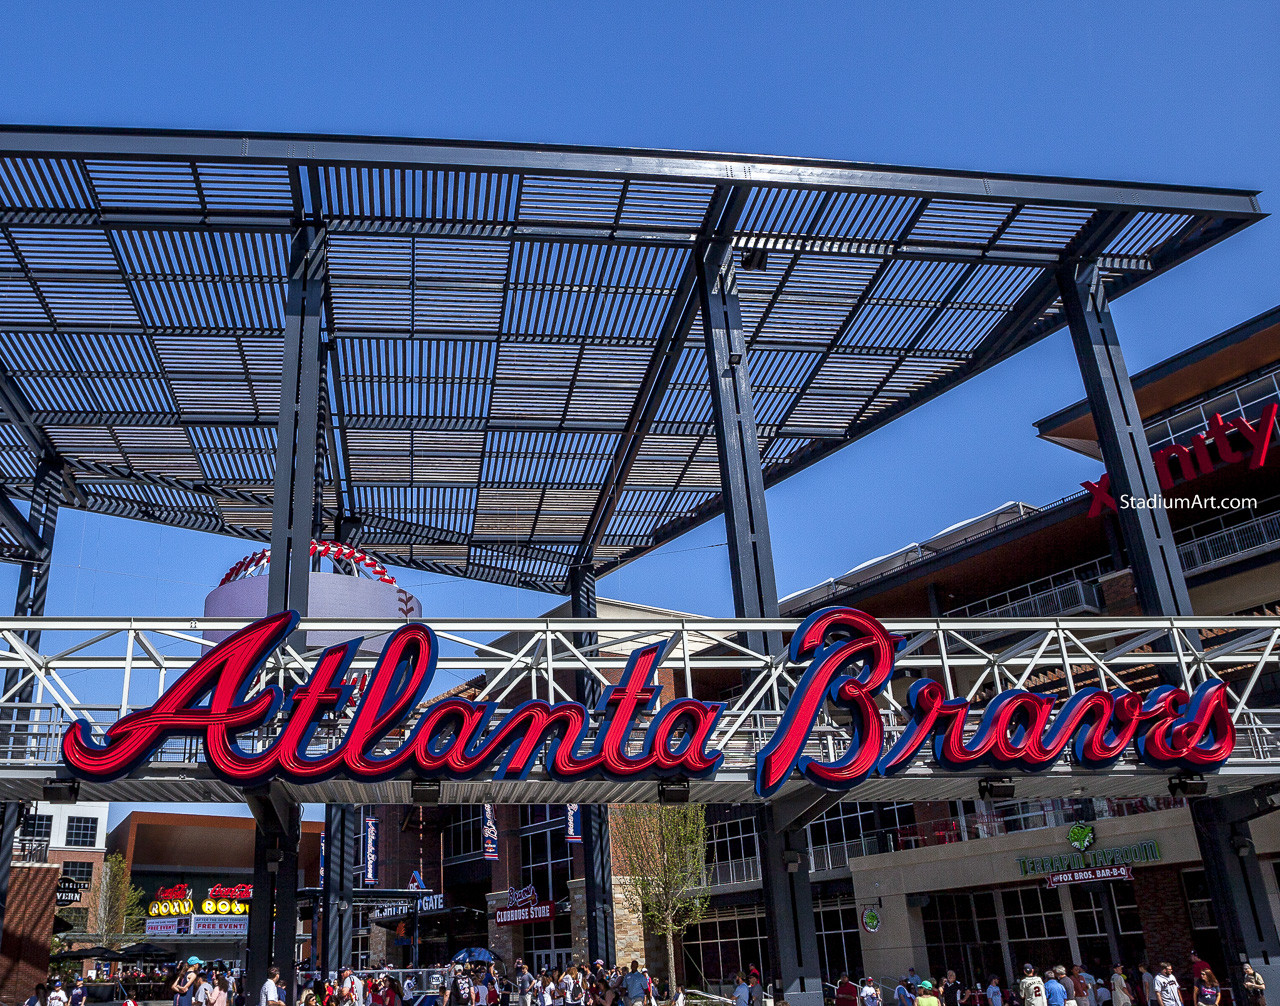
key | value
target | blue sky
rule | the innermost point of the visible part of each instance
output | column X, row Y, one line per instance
column 1156, row 92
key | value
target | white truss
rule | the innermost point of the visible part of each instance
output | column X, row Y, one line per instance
column 99, row 669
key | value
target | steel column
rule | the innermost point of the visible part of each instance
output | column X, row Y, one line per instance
column 1246, row 926
column 1157, row 572
column 755, row 595
column 273, row 910
column 33, row 588
column 788, row 911
column 296, row 501
column 784, row 855
column 596, row 856
column 341, row 842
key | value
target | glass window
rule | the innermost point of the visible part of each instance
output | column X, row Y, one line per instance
column 856, row 829
column 723, row 944
column 1037, row 930
column 839, row 938
column 951, row 920
column 549, row 944
column 82, row 872
column 82, row 831
column 1199, row 906
column 37, row 826
column 462, row 839
column 545, row 859
column 732, row 854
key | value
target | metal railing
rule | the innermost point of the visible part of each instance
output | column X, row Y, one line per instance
column 94, row 670
column 732, row 871
column 30, row 850
column 1212, row 549
column 1072, row 597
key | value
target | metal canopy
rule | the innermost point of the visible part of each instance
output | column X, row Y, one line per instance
column 508, row 390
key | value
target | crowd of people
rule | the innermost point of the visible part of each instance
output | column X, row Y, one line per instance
column 1058, row 985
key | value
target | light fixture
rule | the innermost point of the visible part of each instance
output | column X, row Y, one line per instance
column 61, row 791
column 755, row 260
column 995, row 789
column 673, row 791
column 791, row 860
column 426, row 791
column 1188, row 785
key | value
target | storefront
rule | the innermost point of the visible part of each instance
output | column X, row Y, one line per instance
column 1128, row 888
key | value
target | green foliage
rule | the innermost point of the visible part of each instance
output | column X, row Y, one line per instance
column 661, row 850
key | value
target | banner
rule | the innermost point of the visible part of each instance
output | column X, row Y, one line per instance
column 322, row 859
column 572, row 823
column 489, row 832
column 219, row 925
column 370, row 850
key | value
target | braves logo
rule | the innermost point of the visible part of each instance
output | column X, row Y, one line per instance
column 851, row 662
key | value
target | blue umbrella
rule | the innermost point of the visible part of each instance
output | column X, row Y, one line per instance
column 470, row 955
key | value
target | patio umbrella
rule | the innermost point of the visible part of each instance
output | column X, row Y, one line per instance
column 144, row 951
column 470, row 955
column 88, row 954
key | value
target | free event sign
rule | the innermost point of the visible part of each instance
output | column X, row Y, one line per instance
column 219, row 925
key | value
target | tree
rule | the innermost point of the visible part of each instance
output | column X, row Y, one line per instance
column 662, row 852
column 119, row 911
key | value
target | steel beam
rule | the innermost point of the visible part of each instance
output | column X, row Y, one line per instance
column 788, row 909
column 755, row 594
column 1153, row 556
column 297, row 149
column 273, row 911
column 341, row 842
column 596, row 856
column 1233, row 871
column 295, row 506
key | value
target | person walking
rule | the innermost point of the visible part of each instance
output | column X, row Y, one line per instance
column 56, row 996
column 635, row 984
column 1208, row 991
column 925, row 996
column 1168, row 992
column 903, row 995
column 1031, row 989
column 1121, row 993
column 270, row 994
column 1055, row 992
column 1079, row 986
column 869, row 994
column 741, row 993
column 995, row 996
column 846, row 991
column 1148, row 981
column 524, row 986
column 1254, row 987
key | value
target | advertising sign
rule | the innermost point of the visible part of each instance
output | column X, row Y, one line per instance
column 850, row 659
column 1095, row 873
column 370, row 850
column 219, row 925
column 68, row 891
column 572, row 823
column 489, row 832
column 170, row 927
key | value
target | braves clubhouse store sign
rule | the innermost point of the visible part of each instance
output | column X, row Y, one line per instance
column 850, row 662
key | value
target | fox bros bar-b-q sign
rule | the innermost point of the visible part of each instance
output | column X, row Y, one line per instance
column 850, row 659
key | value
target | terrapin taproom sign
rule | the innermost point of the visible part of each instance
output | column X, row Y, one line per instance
column 850, row 660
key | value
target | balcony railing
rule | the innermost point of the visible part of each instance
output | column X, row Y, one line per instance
column 990, row 821
column 1072, row 597
column 732, row 871
column 31, row 850
column 1212, row 549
